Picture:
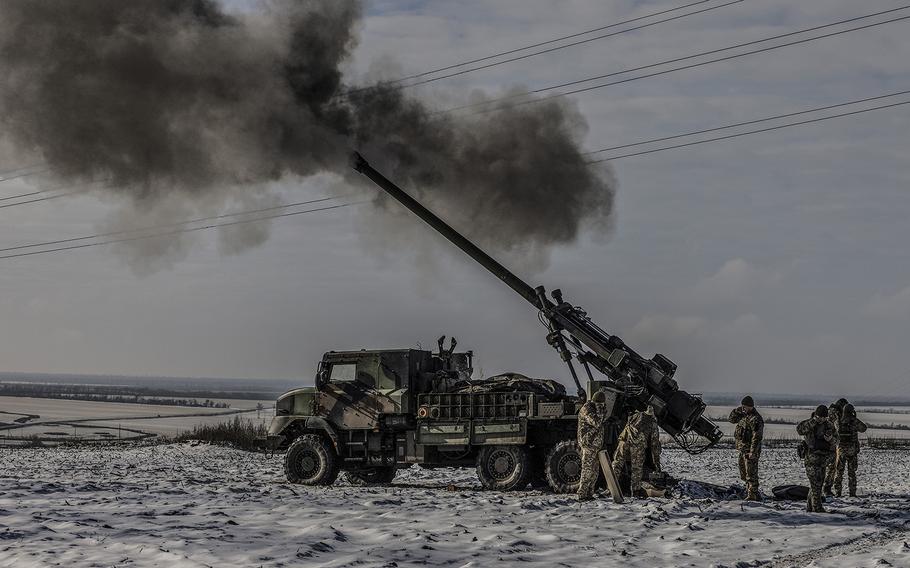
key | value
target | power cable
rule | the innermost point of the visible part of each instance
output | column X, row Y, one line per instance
column 180, row 231
column 17, row 170
column 737, row 135
column 39, row 199
column 29, row 194
column 22, row 175
column 168, row 225
column 746, row 123
column 677, row 60
column 43, row 191
column 395, row 83
column 548, row 42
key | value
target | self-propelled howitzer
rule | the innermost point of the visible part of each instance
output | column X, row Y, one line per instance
column 638, row 380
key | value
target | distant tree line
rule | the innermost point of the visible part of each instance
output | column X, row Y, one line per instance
column 791, row 422
column 791, row 401
column 97, row 393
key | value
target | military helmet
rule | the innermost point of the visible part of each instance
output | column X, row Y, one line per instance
column 821, row 411
column 841, row 403
column 599, row 397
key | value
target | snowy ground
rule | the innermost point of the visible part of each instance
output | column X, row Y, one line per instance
column 183, row 505
column 63, row 420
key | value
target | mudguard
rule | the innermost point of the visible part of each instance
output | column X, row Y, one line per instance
column 286, row 428
column 322, row 425
column 281, row 424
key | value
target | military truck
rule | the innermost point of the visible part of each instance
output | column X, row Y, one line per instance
column 373, row 411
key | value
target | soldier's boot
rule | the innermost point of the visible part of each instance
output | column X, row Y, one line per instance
column 817, row 506
column 852, row 490
column 753, row 496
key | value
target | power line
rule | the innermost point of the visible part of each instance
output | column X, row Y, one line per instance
column 39, row 199
column 180, row 231
column 548, row 42
column 746, row 123
column 168, row 225
column 41, row 192
column 679, row 59
column 16, row 170
column 739, row 134
column 398, row 86
column 29, row 194
column 22, row 175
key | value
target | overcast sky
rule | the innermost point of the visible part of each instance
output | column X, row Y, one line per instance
column 771, row 263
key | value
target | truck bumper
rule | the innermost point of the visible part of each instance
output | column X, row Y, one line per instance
column 269, row 443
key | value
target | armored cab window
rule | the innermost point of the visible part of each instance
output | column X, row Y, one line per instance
column 283, row 406
column 343, row 373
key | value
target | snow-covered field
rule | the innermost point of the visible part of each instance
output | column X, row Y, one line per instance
column 183, row 505
column 873, row 416
column 54, row 418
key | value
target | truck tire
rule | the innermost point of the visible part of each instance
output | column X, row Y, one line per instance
column 311, row 460
column 371, row 476
column 503, row 468
column 563, row 467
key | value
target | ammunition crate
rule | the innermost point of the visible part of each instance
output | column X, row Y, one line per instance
column 551, row 409
column 449, row 406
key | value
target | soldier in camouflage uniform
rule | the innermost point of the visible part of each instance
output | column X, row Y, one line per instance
column 591, row 419
column 640, row 433
column 818, row 447
column 750, row 429
column 847, row 448
column 834, row 413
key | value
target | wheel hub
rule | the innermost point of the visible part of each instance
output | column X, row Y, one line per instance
column 309, row 463
column 501, row 464
column 570, row 468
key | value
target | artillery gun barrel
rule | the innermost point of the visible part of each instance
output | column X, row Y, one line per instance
column 514, row 282
column 644, row 381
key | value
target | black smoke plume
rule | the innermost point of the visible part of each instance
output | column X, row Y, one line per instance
column 165, row 98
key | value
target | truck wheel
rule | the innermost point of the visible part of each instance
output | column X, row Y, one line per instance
column 563, row 467
column 310, row 460
column 503, row 468
column 371, row 476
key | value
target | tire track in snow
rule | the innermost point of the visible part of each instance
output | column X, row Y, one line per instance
column 890, row 535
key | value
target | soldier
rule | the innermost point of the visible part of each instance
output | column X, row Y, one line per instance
column 847, row 448
column 817, row 448
column 750, row 429
column 591, row 419
column 834, row 413
column 641, row 431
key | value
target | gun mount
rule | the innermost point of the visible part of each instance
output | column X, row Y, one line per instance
column 575, row 336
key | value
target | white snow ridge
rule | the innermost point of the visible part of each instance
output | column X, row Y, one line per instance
column 186, row 506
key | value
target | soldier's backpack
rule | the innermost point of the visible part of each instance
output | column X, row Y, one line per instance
column 791, row 492
column 816, row 442
column 846, row 430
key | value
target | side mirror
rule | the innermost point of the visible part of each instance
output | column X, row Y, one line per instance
column 322, row 376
